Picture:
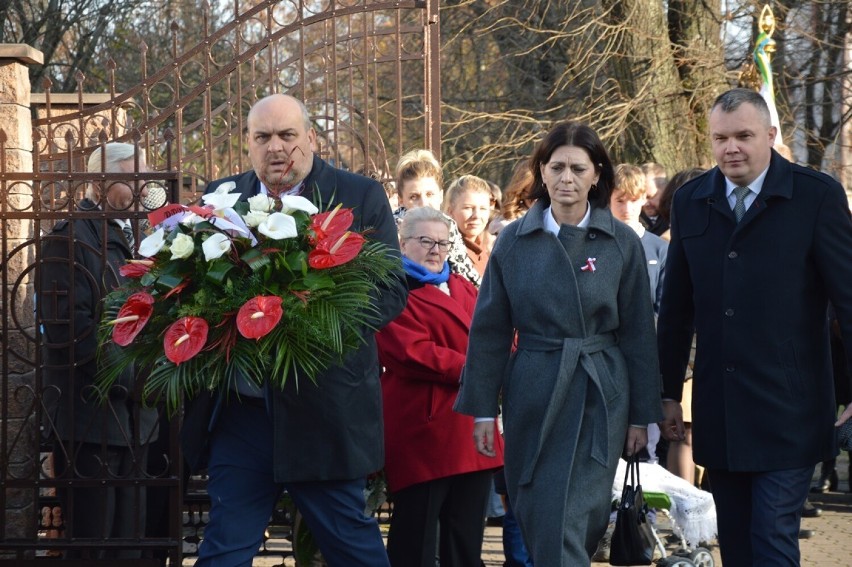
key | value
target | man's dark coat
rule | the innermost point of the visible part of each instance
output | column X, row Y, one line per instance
column 756, row 294
column 332, row 430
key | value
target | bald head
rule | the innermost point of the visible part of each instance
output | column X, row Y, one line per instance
column 284, row 101
column 281, row 141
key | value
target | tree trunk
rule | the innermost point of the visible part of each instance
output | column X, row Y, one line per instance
column 657, row 114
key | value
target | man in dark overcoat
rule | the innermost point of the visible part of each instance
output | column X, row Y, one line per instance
column 79, row 265
column 317, row 441
column 759, row 246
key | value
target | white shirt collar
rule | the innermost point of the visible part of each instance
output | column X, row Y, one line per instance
column 755, row 185
column 295, row 190
column 550, row 224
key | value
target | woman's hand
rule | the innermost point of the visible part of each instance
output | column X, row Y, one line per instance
column 844, row 416
column 637, row 438
column 671, row 428
column 483, row 438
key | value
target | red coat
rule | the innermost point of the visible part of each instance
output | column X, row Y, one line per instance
column 423, row 351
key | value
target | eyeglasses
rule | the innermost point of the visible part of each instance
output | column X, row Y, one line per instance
column 429, row 244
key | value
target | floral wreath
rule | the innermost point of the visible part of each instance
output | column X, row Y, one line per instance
column 260, row 289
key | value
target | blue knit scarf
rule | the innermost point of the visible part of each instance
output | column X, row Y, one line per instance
column 423, row 275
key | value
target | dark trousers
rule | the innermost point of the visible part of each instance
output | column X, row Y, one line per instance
column 514, row 550
column 453, row 506
column 759, row 514
column 105, row 511
column 243, row 493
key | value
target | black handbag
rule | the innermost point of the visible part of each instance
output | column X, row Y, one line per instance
column 633, row 539
column 844, row 435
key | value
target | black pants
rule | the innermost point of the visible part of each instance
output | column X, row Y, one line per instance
column 455, row 506
column 104, row 510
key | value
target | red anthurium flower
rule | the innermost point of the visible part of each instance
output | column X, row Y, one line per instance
column 185, row 338
column 132, row 317
column 336, row 250
column 259, row 315
column 135, row 268
column 330, row 224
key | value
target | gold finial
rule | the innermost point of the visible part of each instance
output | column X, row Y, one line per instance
column 748, row 77
column 766, row 23
column 767, row 20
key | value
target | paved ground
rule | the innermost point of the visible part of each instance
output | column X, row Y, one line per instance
column 830, row 546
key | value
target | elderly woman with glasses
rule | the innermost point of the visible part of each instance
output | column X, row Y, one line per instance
column 437, row 480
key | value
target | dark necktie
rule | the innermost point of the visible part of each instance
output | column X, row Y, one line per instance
column 128, row 234
column 739, row 207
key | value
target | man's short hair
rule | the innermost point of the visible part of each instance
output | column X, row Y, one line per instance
column 731, row 100
column 116, row 153
column 653, row 169
column 656, row 172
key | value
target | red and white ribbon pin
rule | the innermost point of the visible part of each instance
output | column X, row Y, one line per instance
column 590, row 265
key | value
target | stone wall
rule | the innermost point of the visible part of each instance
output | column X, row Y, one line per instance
column 20, row 459
column 19, row 405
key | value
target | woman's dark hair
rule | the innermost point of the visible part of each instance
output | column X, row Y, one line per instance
column 516, row 197
column 664, row 208
column 581, row 136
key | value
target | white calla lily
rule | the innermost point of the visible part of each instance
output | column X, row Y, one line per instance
column 261, row 203
column 290, row 203
column 215, row 246
column 153, row 243
column 226, row 187
column 221, row 198
column 278, row 226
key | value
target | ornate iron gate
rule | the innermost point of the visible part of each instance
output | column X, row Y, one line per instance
column 368, row 73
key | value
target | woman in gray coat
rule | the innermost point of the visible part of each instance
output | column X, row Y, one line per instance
column 583, row 382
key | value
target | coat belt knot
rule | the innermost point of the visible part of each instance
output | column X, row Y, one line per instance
column 574, row 350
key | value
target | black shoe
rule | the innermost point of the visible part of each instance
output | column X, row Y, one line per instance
column 827, row 482
column 811, row 511
column 806, row 534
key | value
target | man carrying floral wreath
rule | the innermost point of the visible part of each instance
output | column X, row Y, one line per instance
column 317, row 440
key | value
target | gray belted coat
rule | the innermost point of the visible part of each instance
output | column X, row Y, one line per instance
column 585, row 367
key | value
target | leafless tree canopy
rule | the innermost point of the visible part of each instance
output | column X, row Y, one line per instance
column 642, row 72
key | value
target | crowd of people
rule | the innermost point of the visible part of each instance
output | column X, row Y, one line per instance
column 588, row 312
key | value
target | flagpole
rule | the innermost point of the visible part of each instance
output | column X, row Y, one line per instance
column 763, row 49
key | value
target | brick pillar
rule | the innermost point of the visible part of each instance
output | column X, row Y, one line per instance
column 17, row 382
